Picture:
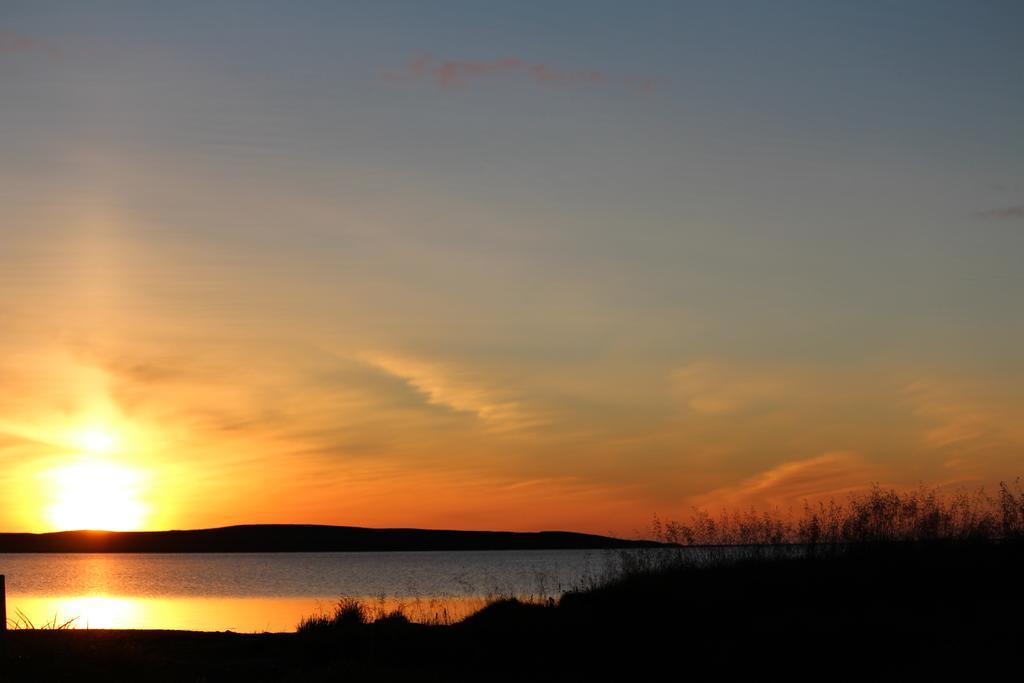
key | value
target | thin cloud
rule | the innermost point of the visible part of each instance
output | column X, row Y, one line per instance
column 957, row 415
column 455, row 73
column 1004, row 213
column 445, row 386
column 712, row 390
column 829, row 475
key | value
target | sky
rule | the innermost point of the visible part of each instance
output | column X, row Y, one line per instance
column 531, row 265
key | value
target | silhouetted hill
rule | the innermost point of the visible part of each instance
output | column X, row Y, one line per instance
column 282, row 538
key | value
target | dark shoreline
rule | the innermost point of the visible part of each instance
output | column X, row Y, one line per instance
column 284, row 538
column 894, row 611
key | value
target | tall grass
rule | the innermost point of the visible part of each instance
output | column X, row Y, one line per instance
column 349, row 613
column 21, row 622
column 444, row 609
column 877, row 515
column 868, row 520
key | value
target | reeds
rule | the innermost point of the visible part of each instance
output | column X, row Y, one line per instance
column 21, row 622
column 877, row 515
column 872, row 520
column 347, row 613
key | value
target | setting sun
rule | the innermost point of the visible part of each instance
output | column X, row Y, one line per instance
column 93, row 494
column 96, row 440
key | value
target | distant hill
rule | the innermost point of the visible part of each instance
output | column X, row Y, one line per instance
column 285, row 538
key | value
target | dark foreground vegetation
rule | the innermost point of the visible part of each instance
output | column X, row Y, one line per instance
column 905, row 592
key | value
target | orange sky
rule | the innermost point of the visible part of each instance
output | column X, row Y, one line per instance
column 433, row 268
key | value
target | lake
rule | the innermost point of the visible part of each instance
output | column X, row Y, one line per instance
column 251, row 592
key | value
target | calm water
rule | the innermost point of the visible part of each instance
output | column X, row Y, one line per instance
column 271, row 592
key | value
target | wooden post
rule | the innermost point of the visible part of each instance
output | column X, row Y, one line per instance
column 3, row 603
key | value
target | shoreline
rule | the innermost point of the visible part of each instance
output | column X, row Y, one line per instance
column 878, row 612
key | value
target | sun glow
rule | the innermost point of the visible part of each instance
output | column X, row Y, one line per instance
column 96, row 494
column 95, row 440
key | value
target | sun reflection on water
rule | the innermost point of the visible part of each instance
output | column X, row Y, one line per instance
column 245, row 615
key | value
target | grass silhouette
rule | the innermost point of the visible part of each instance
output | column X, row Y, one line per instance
column 21, row 621
column 350, row 613
column 878, row 515
column 887, row 584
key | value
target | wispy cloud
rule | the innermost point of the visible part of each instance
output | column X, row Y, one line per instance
column 443, row 385
column 455, row 73
column 710, row 389
column 826, row 476
column 1003, row 213
column 959, row 416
